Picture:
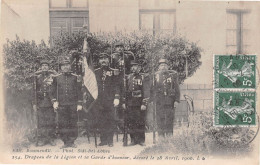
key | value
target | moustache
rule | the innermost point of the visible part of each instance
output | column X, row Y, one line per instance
column 104, row 62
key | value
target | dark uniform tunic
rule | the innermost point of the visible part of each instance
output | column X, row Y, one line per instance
column 45, row 112
column 136, row 97
column 123, row 64
column 108, row 90
column 66, row 89
column 166, row 92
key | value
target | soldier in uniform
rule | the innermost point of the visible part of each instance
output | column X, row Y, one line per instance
column 121, row 60
column 108, row 98
column 136, row 102
column 42, row 105
column 166, row 97
column 66, row 97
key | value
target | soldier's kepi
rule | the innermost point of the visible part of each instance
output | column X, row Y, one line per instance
column 166, row 96
column 136, row 101
column 42, row 105
column 108, row 98
column 66, row 97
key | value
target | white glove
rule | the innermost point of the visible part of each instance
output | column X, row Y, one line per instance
column 123, row 106
column 79, row 107
column 55, row 105
column 116, row 102
column 35, row 108
column 176, row 104
column 143, row 107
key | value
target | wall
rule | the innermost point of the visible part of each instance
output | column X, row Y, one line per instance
column 34, row 18
column 113, row 15
column 200, row 93
column 11, row 23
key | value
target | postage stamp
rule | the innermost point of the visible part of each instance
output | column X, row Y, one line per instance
column 235, row 71
column 234, row 108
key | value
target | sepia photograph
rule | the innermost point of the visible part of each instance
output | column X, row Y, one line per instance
column 129, row 81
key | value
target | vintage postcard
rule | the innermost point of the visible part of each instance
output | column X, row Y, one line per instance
column 129, row 82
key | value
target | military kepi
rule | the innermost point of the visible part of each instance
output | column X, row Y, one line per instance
column 162, row 61
column 65, row 61
column 45, row 62
column 103, row 55
column 133, row 62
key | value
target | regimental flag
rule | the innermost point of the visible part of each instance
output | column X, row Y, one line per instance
column 89, row 78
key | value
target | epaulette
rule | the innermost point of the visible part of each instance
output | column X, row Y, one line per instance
column 113, row 68
column 173, row 72
column 115, row 71
column 38, row 72
column 53, row 72
column 129, row 75
column 57, row 75
column 114, row 54
column 144, row 75
column 74, row 74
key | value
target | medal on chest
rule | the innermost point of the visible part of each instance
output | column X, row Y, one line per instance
column 169, row 80
column 121, row 62
column 105, row 74
column 157, row 77
column 137, row 81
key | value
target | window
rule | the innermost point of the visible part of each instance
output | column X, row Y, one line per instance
column 68, row 16
column 237, row 32
column 157, row 15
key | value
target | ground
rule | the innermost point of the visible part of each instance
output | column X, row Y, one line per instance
column 118, row 149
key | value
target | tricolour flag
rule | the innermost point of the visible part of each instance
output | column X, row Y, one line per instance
column 89, row 78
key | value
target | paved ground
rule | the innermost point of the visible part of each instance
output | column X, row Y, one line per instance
column 118, row 149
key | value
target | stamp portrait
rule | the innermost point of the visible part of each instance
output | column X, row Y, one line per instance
column 235, row 108
column 235, row 71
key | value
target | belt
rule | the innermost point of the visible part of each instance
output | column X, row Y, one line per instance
column 137, row 93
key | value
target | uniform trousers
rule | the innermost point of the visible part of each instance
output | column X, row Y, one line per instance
column 164, row 116
column 106, row 123
column 46, row 123
column 67, row 124
column 136, row 124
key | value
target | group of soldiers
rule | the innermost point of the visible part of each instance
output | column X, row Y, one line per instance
column 123, row 92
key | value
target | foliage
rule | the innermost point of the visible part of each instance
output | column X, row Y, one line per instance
column 146, row 47
column 22, row 57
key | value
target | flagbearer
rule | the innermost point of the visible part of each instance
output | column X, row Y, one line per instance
column 66, row 97
column 108, row 98
column 42, row 105
column 137, row 99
